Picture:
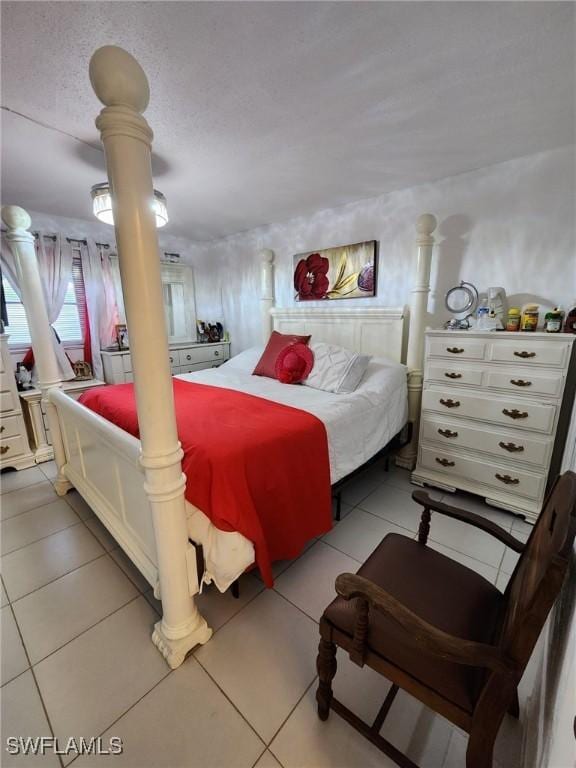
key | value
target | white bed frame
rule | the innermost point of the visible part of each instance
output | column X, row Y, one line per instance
column 136, row 487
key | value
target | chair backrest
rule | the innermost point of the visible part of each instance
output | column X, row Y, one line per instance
column 540, row 571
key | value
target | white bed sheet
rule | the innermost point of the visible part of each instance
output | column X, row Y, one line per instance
column 358, row 425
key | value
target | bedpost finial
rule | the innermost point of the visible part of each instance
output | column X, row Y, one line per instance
column 118, row 79
column 267, row 256
column 426, row 224
column 15, row 217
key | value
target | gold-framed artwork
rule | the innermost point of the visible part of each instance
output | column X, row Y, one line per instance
column 345, row 272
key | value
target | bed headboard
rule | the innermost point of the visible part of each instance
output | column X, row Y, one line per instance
column 374, row 331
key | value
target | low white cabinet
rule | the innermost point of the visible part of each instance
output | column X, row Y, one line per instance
column 184, row 358
column 495, row 413
column 14, row 448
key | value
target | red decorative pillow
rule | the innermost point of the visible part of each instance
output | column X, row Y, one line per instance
column 276, row 343
column 294, row 364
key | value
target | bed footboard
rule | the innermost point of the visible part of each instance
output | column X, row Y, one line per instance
column 102, row 463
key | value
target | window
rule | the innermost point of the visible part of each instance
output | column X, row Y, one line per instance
column 67, row 326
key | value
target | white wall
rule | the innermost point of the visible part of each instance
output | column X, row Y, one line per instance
column 510, row 224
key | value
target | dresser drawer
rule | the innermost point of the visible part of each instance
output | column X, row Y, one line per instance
column 522, row 415
column 519, row 446
column 127, row 363
column 10, row 426
column 527, row 352
column 12, row 447
column 525, row 381
column 450, row 372
column 7, row 402
column 460, row 349
column 516, row 481
column 201, row 354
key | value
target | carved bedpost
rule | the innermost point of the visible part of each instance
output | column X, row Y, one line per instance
column 415, row 357
column 267, row 295
column 22, row 246
column 121, row 85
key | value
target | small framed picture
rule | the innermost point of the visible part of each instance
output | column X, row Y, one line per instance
column 122, row 336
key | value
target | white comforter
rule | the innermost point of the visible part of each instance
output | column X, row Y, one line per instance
column 358, row 425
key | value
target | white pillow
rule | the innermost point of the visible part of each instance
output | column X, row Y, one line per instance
column 336, row 369
column 246, row 360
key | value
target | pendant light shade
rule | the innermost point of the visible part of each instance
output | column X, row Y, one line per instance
column 102, row 205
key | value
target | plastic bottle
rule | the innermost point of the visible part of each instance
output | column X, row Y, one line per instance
column 553, row 321
column 513, row 319
column 530, row 318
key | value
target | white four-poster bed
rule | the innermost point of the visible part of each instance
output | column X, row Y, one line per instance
column 136, row 487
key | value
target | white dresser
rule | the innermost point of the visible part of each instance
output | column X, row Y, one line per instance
column 495, row 413
column 14, row 449
column 184, row 358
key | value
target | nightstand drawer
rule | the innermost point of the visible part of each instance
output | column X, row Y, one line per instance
column 7, row 402
column 528, row 352
column 457, row 374
column 10, row 426
column 509, row 412
column 456, row 349
column 12, row 446
column 506, row 479
column 514, row 445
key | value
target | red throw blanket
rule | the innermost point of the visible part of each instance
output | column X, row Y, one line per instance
column 252, row 465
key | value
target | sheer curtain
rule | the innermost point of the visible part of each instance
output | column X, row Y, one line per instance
column 100, row 301
column 55, row 271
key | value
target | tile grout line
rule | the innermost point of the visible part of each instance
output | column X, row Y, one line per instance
column 32, row 672
column 42, row 538
column 289, row 715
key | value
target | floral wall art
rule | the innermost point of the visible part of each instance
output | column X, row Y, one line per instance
column 346, row 272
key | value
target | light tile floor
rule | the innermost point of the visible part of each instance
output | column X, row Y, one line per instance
column 77, row 659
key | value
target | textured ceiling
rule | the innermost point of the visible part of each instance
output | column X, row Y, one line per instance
column 264, row 111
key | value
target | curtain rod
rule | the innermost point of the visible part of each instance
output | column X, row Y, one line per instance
column 68, row 239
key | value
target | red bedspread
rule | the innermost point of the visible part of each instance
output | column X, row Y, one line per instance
column 252, row 465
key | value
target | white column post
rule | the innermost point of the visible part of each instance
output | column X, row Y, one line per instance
column 267, row 292
column 121, row 85
column 425, row 225
column 22, row 245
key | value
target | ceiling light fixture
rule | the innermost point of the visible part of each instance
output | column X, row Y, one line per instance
column 102, row 205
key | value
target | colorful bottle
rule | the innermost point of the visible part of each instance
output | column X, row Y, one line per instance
column 553, row 321
column 570, row 325
column 529, row 318
column 513, row 319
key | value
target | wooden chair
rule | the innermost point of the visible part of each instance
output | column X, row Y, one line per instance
column 441, row 631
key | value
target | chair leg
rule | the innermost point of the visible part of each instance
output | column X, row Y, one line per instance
column 338, row 514
column 326, row 666
column 480, row 750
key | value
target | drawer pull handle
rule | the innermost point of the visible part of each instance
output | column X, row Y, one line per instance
column 216, row 353
column 525, row 354
column 447, row 433
column 515, row 413
column 4, row 449
column 2, row 428
column 455, row 350
column 520, row 383
column 450, row 403
column 506, row 479
column 188, row 357
column 452, row 375
column 445, row 462
column 511, row 447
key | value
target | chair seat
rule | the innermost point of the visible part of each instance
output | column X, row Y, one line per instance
column 439, row 590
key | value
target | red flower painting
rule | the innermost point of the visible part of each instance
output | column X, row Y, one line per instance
column 310, row 278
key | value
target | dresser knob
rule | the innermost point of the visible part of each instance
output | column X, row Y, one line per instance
column 4, row 449
column 188, row 357
column 445, row 462
column 511, row 447
column 515, row 413
column 455, row 350
column 525, row 354
column 453, row 375
column 450, row 403
column 506, row 479
column 520, row 383
column 447, row 433
column 216, row 353
column 2, row 428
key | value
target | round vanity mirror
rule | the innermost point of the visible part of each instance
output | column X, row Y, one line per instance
column 461, row 301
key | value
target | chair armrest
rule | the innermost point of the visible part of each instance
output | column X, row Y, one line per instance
column 433, row 641
column 421, row 497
